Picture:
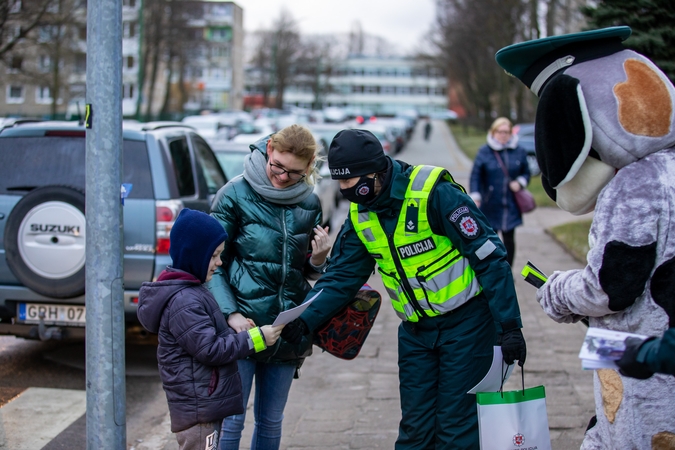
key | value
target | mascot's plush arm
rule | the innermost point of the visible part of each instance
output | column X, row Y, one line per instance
column 623, row 238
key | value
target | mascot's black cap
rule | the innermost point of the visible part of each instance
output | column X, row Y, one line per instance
column 535, row 62
column 354, row 153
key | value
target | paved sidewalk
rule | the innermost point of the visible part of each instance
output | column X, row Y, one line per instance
column 355, row 404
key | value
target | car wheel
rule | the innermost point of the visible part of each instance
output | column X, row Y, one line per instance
column 45, row 241
column 533, row 165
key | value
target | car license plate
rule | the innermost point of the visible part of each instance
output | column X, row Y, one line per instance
column 73, row 315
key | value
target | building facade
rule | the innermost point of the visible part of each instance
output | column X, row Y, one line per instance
column 52, row 58
column 378, row 85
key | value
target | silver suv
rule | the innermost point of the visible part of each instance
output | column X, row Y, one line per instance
column 42, row 219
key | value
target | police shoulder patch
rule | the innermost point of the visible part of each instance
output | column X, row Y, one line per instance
column 465, row 222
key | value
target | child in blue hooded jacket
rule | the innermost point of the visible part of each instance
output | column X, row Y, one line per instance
column 197, row 352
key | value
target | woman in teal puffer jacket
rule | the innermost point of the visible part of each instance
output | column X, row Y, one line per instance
column 275, row 243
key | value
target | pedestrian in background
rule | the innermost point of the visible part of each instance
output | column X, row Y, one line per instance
column 275, row 243
column 427, row 129
column 445, row 271
column 197, row 352
column 500, row 168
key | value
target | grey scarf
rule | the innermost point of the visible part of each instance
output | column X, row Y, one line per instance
column 255, row 174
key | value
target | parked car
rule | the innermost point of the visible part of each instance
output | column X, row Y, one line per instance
column 525, row 133
column 446, row 114
column 42, row 217
column 325, row 132
column 211, row 126
column 398, row 127
column 382, row 132
column 231, row 156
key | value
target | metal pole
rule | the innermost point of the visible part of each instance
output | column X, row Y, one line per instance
column 106, row 396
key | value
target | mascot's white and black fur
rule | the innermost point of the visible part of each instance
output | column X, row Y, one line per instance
column 605, row 141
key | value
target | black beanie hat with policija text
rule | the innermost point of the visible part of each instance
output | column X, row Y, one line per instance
column 354, row 153
column 194, row 237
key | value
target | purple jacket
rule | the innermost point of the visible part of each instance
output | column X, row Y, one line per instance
column 197, row 353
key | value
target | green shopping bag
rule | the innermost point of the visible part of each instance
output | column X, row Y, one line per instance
column 513, row 420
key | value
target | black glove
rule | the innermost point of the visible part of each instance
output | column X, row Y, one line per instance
column 629, row 365
column 294, row 331
column 513, row 347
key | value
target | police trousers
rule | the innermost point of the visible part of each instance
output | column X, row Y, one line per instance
column 439, row 360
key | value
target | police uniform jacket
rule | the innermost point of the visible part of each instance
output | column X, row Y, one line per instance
column 350, row 265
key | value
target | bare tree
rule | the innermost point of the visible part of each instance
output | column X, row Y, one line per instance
column 465, row 38
column 53, row 48
column 316, row 63
column 285, row 52
column 262, row 64
column 356, row 39
column 179, row 49
column 17, row 20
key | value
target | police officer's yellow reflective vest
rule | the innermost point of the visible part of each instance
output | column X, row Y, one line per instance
column 424, row 274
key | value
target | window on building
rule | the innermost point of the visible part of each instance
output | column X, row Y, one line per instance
column 14, row 6
column 129, row 3
column 128, row 90
column 224, row 10
column 82, row 33
column 370, row 89
column 402, row 90
column 220, row 34
column 403, row 72
column 12, row 32
column 53, row 7
column 129, row 62
column 14, row 94
column 357, row 89
column 43, row 94
column 129, row 29
column 387, row 90
column 435, row 72
column 47, row 33
column 80, row 65
column 420, row 90
column 220, row 51
column 44, row 63
column 16, row 63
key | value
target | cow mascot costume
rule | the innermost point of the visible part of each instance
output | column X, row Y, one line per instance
column 605, row 141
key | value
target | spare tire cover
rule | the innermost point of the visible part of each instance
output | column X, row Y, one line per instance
column 45, row 241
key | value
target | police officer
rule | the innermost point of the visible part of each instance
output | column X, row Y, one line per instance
column 446, row 273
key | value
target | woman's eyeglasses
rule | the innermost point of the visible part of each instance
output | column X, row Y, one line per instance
column 278, row 170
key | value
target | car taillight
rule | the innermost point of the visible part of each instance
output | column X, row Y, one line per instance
column 166, row 212
column 386, row 147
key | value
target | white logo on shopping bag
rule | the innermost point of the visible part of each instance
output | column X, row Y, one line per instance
column 518, row 439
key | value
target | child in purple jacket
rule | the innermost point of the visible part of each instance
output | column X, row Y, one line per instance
column 197, row 352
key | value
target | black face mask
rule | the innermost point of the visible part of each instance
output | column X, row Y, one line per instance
column 362, row 192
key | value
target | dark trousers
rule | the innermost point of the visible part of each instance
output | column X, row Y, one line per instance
column 439, row 360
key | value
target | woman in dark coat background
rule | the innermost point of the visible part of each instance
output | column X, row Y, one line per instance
column 492, row 190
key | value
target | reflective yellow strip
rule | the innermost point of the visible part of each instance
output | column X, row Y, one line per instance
column 258, row 339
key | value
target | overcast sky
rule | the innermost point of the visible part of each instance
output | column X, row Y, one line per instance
column 401, row 22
